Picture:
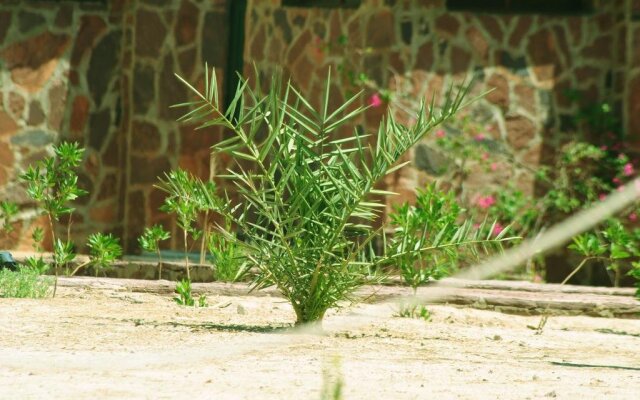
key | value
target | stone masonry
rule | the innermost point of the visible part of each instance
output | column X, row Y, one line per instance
column 102, row 74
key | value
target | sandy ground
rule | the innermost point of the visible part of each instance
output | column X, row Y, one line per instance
column 96, row 344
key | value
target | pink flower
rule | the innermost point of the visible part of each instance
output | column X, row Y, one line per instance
column 633, row 217
column 485, row 202
column 476, row 226
column 616, row 181
column 485, row 156
column 440, row 133
column 497, row 229
column 627, row 170
column 620, row 188
column 494, row 166
column 479, row 137
column 375, row 100
column 602, row 197
column 603, row 148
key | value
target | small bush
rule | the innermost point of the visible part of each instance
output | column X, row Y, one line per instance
column 413, row 311
column 26, row 282
column 185, row 298
column 308, row 204
column 227, row 257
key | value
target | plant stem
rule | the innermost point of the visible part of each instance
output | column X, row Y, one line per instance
column 55, row 264
column 159, row 262
column 80, row 266
column 576, row 269
column 186, row 255
column 205, row 230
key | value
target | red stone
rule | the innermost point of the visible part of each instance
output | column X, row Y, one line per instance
column 33, row 61
column 447, row 24
column 519, row 32
column 6, row 155
column 186, row 23
column 380, row 30
column 300, row 73
column 64, row 17
column 563, row 45
column 108, row 187
column 188, row 60
column 105, row 214
column 4, row 177
column 492, row 26
column 478, row 43
column 16, row 104
column 5, row 23
column 587, row 73
column 600, row 49
column 79, row 114
column 145, row 137
column 147, row 170
column 526, row 97
column 425, row 57
column 542, row 50
column 91, row 27
column 500, row 93
column 136, row 205
column 57, row 103
column 520, row 131
column 297, row 48
column 575, row 29
column 633, row 110
column 150, row 33
column 396, row 63
column 256, row 49
column 460, row 60
column 7, row 125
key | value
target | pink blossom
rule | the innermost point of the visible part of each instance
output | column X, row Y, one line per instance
column 602, row 197
column 485, row 156
column 375, row 100
column 476, row 226
column 616, row 181
column 497, row 229
column 479, row 137
column 494, row 166
column 633, row 217
column 440, row 133
column 485, row 202
column 620, row 188
column 603, row 148
column 627, row 170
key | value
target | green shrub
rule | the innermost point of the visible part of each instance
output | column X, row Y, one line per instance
column 26, row 282
column 439, row 224
column 307, row 195
column 150, row 241
column 635, row 272
column 185, row 298
column 228, row 259
column 53, row 184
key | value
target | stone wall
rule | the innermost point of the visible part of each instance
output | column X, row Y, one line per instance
column 59, row 77
column 166, row 37
column 529, row 60
column 103, row 75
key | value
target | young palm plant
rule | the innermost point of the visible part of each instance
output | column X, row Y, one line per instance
column 307, row 196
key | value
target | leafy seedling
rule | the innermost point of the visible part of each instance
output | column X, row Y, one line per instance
column 185, row 298
column 53, row 184
column 150, row 241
